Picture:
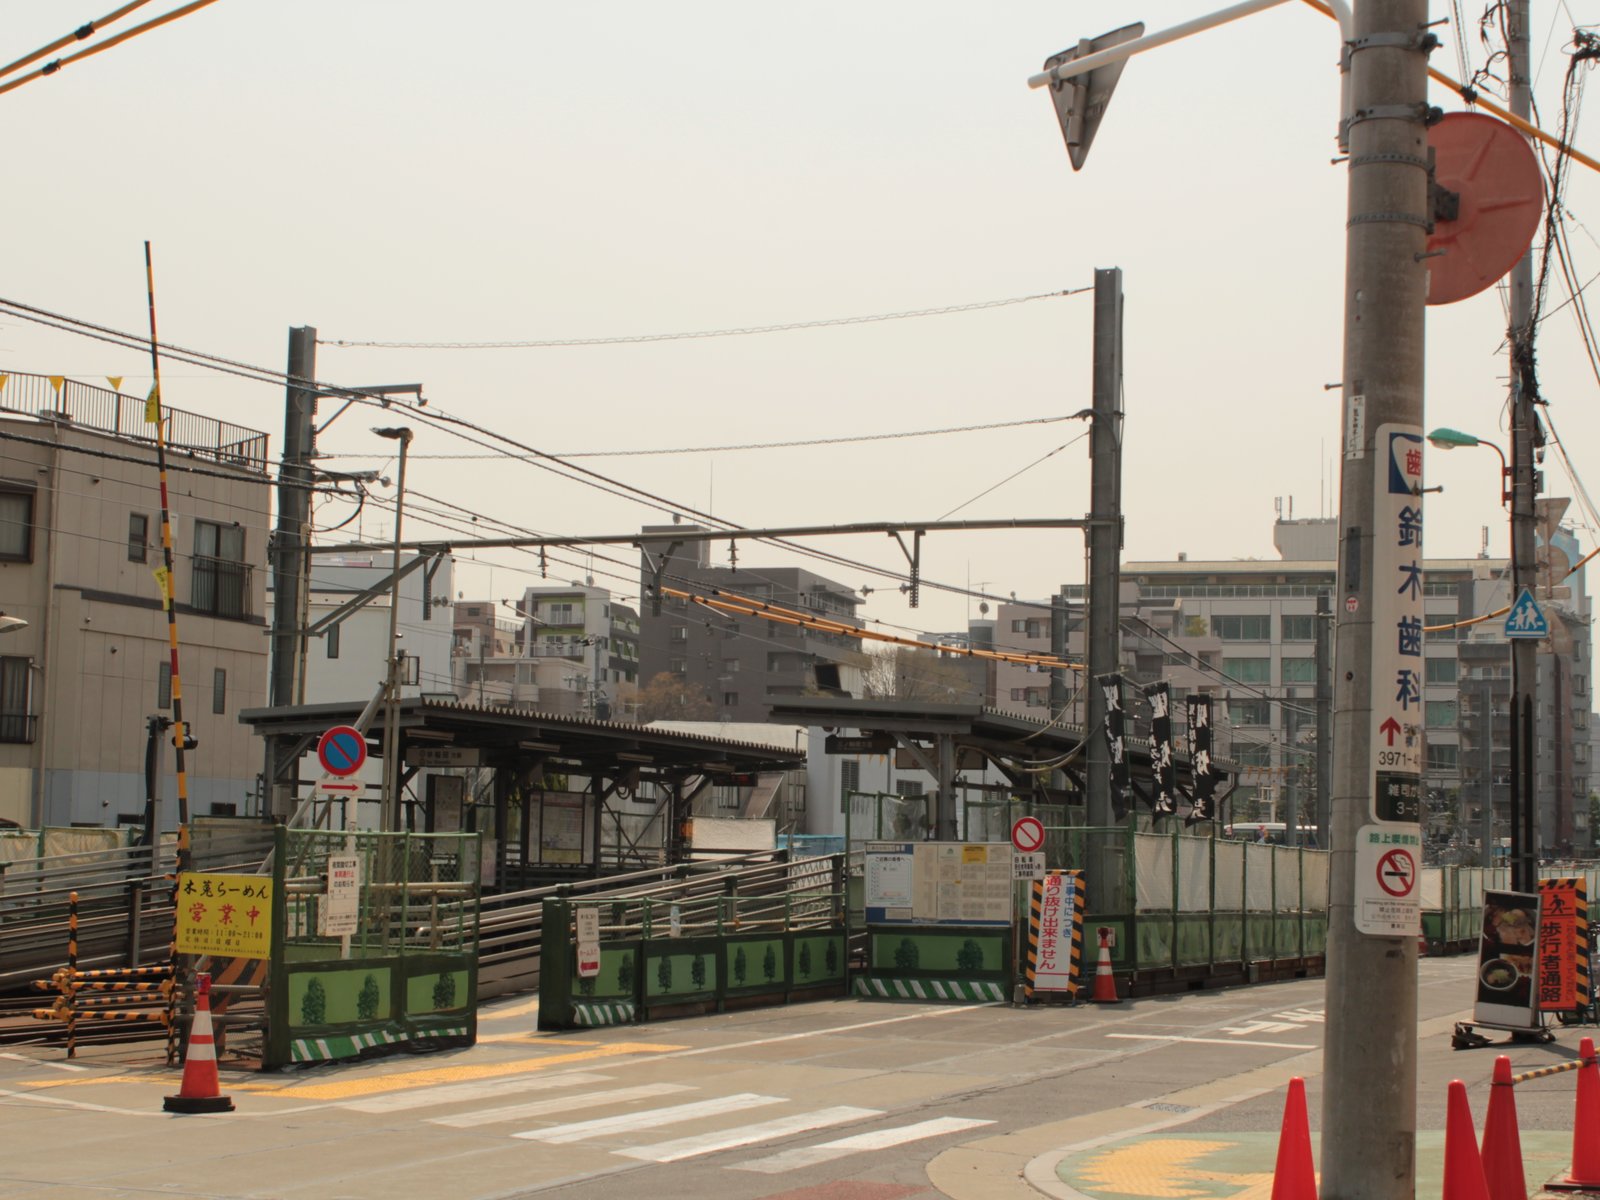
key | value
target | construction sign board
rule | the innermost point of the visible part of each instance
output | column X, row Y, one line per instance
column 1561, row 969
column 951, row 883
column 228, row 915
column 341, row 904
column 1056, row 933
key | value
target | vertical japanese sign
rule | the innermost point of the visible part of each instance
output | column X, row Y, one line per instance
column 1161, row 765
column 1563, row 937
column 1116, row 742
column 1397, row 667
column 341, row 906
column 587, row 922
column 1205, row 779
column 224, row 914
column 1060, row 932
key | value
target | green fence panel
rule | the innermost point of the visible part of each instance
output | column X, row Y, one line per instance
column 1193, row 940
column 1228, row 938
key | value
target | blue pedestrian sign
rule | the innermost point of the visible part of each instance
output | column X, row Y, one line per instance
column 1525, row 620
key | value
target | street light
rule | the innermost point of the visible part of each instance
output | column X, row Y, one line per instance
column 391, row 710
column 1451, row 439
column 11, row 624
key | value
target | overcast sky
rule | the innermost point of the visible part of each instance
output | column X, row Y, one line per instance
column 408, row 171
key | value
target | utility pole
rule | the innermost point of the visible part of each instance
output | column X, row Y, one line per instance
column 1370, row 1049
column 291, row 544
column 1324, row 669
column 1058, row 675
column 1105, row 572
column 1524, row 437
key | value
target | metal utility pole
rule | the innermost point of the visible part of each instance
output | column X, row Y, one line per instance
column 1524, row 436
column 1324, row 669
column 1105, row 550
column 1370, row 1051
column 391, row 709
column 291, row 543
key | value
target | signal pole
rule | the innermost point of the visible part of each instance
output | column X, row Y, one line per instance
column 1370, row 1051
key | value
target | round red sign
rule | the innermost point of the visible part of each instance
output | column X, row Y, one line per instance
column 1027, row 835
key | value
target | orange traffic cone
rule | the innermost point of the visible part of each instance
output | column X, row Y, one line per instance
column 1502, row 1143
column 1463, row 1169
column 1295, row 1178
column 1105, row 983
column 201, row 1091
column 1585, row 1173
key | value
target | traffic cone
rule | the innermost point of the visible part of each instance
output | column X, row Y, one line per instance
column 1105, row 983
column 1463, row 1169
column 1585, row 1173
column 1502, row 1143
column 1295, row 1178
column 201, row 1091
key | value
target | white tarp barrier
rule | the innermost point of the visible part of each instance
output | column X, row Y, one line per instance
column 1152, row 869
column 1286, row 886
column 1194, row 874
column 1257, row 877
column 1432, row 894
column 1229, row 869
column 1314, row 884
column 734, row 835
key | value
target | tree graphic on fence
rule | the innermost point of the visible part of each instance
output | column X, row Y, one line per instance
column 314, row 1005
column 830, row 960
column 664, row 974
column 367, row 1001
column 803, row 963
column 625, row 974
column 586, row 985
column 444, row 990
column 740, row 966
column 970, row 956
column 697, row 972
column 769, row 964
column 906, row 955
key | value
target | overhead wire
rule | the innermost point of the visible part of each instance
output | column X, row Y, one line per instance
column 81, row 33
column 51, row 68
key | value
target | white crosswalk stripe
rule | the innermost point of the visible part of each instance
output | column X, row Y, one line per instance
column 458, row 1093
column 745, row 1135
column 558, row 1104
column 651, row 1118
column 878, row 1139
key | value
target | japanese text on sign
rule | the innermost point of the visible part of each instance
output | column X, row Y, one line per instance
column 1058, row 916
column 1563, row 911
column 1396, row 608
column 227, row 915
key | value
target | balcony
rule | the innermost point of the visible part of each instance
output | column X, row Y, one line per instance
column 221, row 587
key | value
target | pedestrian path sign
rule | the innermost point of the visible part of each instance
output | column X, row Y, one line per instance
column 1525, row 620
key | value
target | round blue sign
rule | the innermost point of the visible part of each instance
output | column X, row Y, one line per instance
column 342, row 750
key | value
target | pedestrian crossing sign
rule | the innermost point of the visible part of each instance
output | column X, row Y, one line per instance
column 1525, row 620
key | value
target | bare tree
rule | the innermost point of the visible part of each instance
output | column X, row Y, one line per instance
column 669, row 698
column 907, row 673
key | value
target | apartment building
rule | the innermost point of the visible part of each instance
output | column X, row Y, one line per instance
column 80, row 542
column 583, row 646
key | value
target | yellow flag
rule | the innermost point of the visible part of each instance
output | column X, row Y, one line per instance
column 57, row 382
column 115, row 381
column 3, row 379
column 152, row 405
column 163, row 579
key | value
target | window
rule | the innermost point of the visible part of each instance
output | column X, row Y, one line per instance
column 331, row 641
column 1247, row 670
column 1298, row 627
column 1253, row 628
column 1440, row 670
column 16, row 725
column 164, row 686
column 1250, row 712
column 677, row 666
column 1441, row 758
column 16, row 525
column 680, row 633
column 1299, row 670
column 219, row 691
column 1441, row 714
column 908, row 787
column 1252, row 756
column 730, row 699
column 221, row 576
column 224, row 808
column 730, row 666
column 849, row 780
column 138, row 537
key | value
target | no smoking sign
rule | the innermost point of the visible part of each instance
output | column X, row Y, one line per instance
column 1387, row 900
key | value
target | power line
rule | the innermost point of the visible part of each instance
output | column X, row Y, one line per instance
column 743, row 331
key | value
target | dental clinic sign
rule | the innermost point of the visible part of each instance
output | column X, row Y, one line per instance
column 1397, row 665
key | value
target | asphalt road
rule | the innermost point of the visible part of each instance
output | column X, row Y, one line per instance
column 841, row 1100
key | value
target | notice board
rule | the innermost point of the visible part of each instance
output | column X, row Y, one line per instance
column 938, row 883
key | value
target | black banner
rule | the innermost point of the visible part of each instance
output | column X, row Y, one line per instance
column 1162, row 768
column 1121, row 779
column 1205, row 779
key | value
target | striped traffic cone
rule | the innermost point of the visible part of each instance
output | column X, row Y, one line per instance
column 1585, row 1172
column 1502, row 1142
column 1105, row 983
column 201, row 1091
column 1463, row 1167
column 1295, row 1176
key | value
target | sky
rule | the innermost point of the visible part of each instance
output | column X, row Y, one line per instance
column 415, row 172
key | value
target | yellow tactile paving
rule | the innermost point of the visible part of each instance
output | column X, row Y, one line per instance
column 1164, row 1169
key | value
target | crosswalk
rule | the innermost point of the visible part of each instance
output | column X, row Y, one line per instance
column 723, row 1122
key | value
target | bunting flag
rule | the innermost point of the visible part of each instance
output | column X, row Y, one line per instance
column 1111, row 688
column 1205, row 779
column 164, row 581
column 115, row 381
column 152, row 405
column 1162, row 767
column 58, row 382
column 3, row 379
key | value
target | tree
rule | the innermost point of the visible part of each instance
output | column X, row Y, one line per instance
column 669, row 697
column 444, row 990
column 803, row 962
column 367, row 1001
column 625, row 974
column 314, row 1006
column 970, row 956
column 586, row 985
column 740, row 966
column 906, row 955
column 907, row 673
column 664, row 973
column 697, row 971
column 769, row 964
column 830, row 960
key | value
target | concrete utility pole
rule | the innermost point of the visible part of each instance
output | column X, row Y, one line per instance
column 1324, row 669
column 1370, row 1050
column 1105, row 551
column 291, row 542
column 1524, row 424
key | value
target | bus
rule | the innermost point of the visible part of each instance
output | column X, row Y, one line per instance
column 1271, row 832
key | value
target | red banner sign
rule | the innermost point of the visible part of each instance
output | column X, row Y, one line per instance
column 1563, row 935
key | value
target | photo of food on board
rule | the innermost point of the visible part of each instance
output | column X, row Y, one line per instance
column 1505, row 956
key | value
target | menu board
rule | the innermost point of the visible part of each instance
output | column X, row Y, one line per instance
column 939, row 883
column 1507, row 950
